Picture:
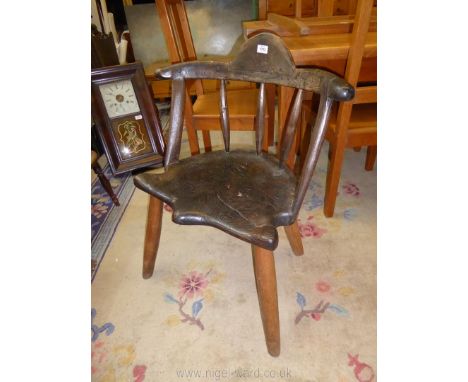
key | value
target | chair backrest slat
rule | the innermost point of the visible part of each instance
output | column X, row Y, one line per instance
column 291, row 123
column 177, row 34
column 316, row 140
column 260, row 117
column 224, row 114
column 176, row 120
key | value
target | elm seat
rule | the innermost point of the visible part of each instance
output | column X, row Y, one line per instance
column 242, row 193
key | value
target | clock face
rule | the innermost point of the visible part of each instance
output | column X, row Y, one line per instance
column 119, row 98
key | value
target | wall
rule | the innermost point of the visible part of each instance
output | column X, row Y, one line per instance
column 216, row 28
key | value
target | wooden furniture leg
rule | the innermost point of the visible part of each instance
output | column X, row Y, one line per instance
column 105, row 182
column 153, row 233
column 335, row 163
column 370, row 157
column 294, row 238
column 206, row 140
column 265, row 279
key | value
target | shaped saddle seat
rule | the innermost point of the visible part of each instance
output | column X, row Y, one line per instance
column 242, row 193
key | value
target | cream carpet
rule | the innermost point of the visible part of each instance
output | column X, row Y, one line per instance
column 198, row 318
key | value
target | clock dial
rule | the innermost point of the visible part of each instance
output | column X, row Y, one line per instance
column 119, row 98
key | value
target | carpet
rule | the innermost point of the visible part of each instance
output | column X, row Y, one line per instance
column 105, row 216
column 198, row 318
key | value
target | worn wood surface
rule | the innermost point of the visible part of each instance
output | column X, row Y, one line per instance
column 152, row 236
column 265, row 280
column 294, row 237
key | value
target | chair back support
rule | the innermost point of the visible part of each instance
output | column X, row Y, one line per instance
column 262, row 59
column 177, row 34
column 176, row 30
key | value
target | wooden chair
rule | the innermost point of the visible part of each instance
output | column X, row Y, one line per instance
column 353, row 124
column 245, row 193
column 204, row 114
column 304, row 8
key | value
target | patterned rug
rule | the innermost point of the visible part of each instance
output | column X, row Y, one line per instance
column 198, row 318
column 105, row 216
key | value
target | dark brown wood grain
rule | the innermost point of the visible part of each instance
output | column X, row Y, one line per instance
column 152, row 236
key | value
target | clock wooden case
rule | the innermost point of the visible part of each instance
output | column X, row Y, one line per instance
column 126, row 118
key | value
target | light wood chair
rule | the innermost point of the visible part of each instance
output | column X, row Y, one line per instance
column 245, row 193
column 204, row 113
column 305, row 8
column 353, row 124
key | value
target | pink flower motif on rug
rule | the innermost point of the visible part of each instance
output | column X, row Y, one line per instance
column 139, row 373
column 322, row 286
column 192, row 285
column 362, row 371
column 309, row 229
column 99, row 210
column 351, row 189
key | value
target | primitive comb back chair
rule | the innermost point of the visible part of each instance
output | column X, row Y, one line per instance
column 247, row 194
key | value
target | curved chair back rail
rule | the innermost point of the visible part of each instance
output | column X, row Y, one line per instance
column 263, row 59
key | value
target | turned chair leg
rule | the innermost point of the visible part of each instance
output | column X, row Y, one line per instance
column 294, row 238
column 265, row 279
column 370, row 158
column 105, row 182
column 153, row 233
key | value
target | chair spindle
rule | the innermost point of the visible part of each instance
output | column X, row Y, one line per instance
column 177, row 121
column 224, row 115
column 316, row 140
column 260, row 117
column 288, row 133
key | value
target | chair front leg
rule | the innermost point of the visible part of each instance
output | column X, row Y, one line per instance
column 294, row 238
column 265, row 279
column 153, row 234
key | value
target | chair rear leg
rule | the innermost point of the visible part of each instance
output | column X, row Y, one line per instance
column 153, row 234
column 265, row 279
column 370, row 158
column 294, row 238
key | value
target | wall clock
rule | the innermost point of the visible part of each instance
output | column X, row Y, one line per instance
column 126, row 119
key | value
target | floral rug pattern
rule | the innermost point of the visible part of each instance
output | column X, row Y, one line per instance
column 198, row 318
